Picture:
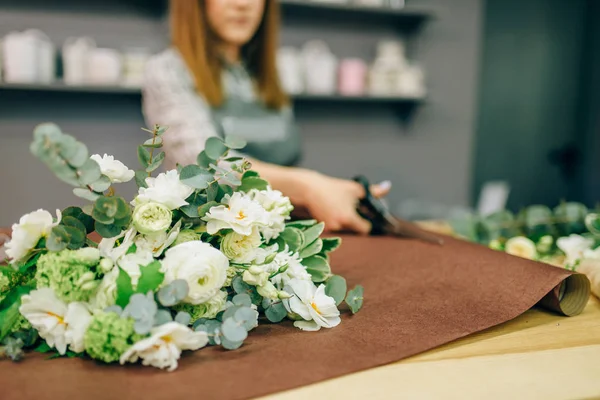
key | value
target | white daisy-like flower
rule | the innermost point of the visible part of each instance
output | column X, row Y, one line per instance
column 312, row 304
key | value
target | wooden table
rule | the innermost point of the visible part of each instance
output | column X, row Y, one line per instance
column 535, row 356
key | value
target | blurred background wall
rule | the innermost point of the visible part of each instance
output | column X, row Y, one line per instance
column 510, row 96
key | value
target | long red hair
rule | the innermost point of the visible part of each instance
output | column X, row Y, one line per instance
column 191, row 35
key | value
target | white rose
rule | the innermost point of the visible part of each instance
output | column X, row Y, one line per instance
column 241, row 248
column 28, row 232
column 150, row 218
column 201, row 265
column 116, row 171
column 163, row 348
column 311, row 303
column 521, row 246
column 132, row 262
column 574, row 246
column 166, row 189
column 239, row 213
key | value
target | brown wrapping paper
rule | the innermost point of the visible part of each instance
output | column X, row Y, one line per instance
column 417, row 296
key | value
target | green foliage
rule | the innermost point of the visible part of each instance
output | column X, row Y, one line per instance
column 252, row 182
column 112, row 215
column 156, row 162
column 311, row 234
column 312, row 249
column 196, row 177
column 215, row 148
column 276, row 312
column 9, row 309
column 173, row 293
column 124, row 288
column 354, row 299
column 150, row 279
column 195, row 200
column 203, row 209
column 203, row 160
column 293, row 237
column 77, row 213
column 140, row 179
column 336, row 287
column 318, row 267
column 64, row 236
column 592, row 223
column 330, row 244
column 234, row 142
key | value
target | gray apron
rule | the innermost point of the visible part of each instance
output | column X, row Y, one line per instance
column 271, row 135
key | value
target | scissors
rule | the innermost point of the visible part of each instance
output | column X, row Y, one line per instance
column 382, row 220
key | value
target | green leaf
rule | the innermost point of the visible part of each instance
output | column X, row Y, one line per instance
column 313, row 233
column 85, row 194
column 160, row 130
column 105, row 209
column 497, row 225
column 572, row 218
column 224, row 190
column 107, row 231
column 354, row 299
column 249, row 174
column 58, row 239
column 124, row 288
column 293, row 237
column 234, row 159
column 212, row 192
column 330, row 244
column 252, row 182
column 78, row 155
column 204, row 160
column 336, row 287
column 82, row 217
column 242, row 299
column 215, row 148
column 317, row 267
column 195, row 176
column 23, row 267
column 234, row 142
column 153, row 143
column 151, row 278
column 43, row 347
column 276, row 312
column 89, row 172
column 9, row 309
column 73, row 222
column 302, row 224
column 312, row 249
column 195, row 200
column 205, row 208
column 143, row 156
column 101, row 184
column 229, row 345
column 156, row 162
column 233, row 331
column 140, row 179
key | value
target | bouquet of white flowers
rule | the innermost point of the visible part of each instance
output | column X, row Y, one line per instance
column 199, row 256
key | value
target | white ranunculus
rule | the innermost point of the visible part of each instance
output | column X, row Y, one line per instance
column 521, row 246
column 277, row 206
column 78, row 319
column 295, row 269
column 166, row 189
column 239, row 213
column 107, row 246
column 28, row 232
column 116, row 171
column 151, row 218
column 106, row 293
column 158, row 242
column 241, row 249
column 132, row 263
column 201, row 265
column 163, row 348
column 311, row 303
column 574, row 246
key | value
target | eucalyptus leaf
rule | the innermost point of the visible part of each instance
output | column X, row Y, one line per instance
column 183, row 318
column 242, row 299
column 203, row 160
column 162, row 317
column 143, row 156
column 153, row 143
column 85, row 194
column 233, row 331
column 205, row 208
column 229, row 345
column 252, row 182
column 101, row 184
column 156, row 162
column 140, row 179
column 239, row 286
column 89, row 172
column 212, row 192
column 230, row 312
column 276, row 312
column 107, row 231
column 317, row 267
column 336, row 287
column 215, row 148
column 234, row 142
column 247, row 317
column 195, row 176
column 58, row 239
column 354, row 299
column 73, row 222
column 195, row 200
column 78, row 155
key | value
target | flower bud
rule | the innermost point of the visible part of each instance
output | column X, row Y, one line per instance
column 149, row 218
column 106, row 264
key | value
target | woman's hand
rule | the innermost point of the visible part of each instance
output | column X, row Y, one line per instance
column 334, row 200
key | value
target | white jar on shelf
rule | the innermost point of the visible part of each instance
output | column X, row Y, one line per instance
column 28, row 57
column 74, row 54
column 103, row 67
column 320, row 68
column 387, row 68
column 289, row 68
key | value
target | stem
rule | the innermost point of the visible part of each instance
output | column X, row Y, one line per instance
column 154, row 134
column 91, row 243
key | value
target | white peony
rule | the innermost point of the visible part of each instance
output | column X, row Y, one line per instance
column 132, row 263
column 521, row 246
column 60, row 325
column 312, row 304
column 277, row 206
column 241, row 249
column 239, row 213
column 106, row 293
column 574, row 247
column 116, row 171
column 166, row 189
column 28, row 232
column 201, row 265
column 107, row 246
column 158, row 242
column 163, row 348
column 151, row 218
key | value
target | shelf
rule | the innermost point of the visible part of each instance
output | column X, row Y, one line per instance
column 124, row 90
column 410, row 15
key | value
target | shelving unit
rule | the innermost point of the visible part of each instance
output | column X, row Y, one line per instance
column 136, row 91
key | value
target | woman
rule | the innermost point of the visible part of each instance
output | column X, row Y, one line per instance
column 218, row 78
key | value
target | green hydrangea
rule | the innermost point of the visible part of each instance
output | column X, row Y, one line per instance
column 10, row 279
column 4, row 283
column 20, row 324
column 232, row 272
column 186, row 235
column 208, row 310
column 70, row 273
column 108, row 336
